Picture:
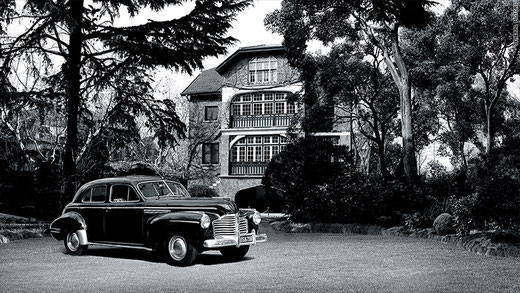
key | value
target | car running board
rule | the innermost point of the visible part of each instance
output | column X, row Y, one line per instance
column 120, row 245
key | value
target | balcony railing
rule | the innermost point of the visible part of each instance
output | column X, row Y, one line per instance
column 247, row 168
column 261, row 121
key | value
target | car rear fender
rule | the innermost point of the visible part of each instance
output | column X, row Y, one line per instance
column 70, row 221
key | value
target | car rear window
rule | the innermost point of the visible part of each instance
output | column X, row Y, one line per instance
column 94, row 194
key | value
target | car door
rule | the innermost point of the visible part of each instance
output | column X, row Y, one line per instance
column 92, row 209
column 124, row 215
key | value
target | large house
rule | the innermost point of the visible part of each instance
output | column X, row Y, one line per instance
column 239, row 113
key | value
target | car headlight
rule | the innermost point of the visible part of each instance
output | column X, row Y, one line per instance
column 205, row 221
column 257, row 218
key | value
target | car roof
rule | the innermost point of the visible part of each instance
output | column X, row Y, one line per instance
column 126, row 179
column 133, row 179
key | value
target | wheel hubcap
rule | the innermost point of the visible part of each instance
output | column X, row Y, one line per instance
column 73, row 241
column 177, row 248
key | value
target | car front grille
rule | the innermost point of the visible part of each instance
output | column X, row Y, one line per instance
column 230, row 225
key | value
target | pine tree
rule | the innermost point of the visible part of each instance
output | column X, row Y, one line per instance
column 96, row 56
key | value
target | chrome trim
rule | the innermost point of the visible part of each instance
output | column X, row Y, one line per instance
column 225, row 241
column 183, row 221
column 156, row 211
column 120, row 246
column 82, row 235
column 230, row 225
column 188, row 209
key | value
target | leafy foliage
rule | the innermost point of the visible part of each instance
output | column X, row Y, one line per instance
column 87, row 59
column 356, row 22
column 200, row 190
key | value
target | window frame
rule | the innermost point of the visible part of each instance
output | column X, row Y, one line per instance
column 246, row 150
column 206, row 116
column 125, row 185
column 90, row 190
column 263, row 104
column 263, row 70
column 214, row 158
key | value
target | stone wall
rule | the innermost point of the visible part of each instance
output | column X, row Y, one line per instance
column 229, row 186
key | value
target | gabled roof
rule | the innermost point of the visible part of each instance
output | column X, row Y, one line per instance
column 210, row 81
column 207, row 82
column 252, row 50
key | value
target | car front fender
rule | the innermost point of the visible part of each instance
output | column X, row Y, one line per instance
column 70, row 221
column 186, row 223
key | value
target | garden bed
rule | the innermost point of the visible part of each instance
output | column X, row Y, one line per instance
column 496, row 243
column 15, row 228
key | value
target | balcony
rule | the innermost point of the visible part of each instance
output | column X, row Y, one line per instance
column 247, row 168
column 261, row 121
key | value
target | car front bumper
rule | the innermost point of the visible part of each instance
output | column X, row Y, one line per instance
column 238, row 240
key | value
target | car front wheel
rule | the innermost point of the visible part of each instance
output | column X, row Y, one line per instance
column 72, row 244
column 179, row 252
column 234, row 253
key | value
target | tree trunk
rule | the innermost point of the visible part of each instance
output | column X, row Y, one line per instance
column 490, row 138
column 73, row 97
column 409, row 160
column 382, row 161
column 401, row 78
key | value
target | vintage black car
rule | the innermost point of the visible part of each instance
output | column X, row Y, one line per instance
column 155, row 214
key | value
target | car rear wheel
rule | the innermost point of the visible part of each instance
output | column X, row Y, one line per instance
column 72, row 245
column 234, row 253
column 179, row 252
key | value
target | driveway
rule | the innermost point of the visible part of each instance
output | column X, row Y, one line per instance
column 286, row 263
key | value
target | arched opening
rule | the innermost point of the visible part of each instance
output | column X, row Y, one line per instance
column 250, row 155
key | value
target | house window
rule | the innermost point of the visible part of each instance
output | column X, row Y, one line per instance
column 280, row 108
column 291, row 108
column 210, row 153
column 246, row 109
column 262, row 104
column 257, row 109
column 263, row 70
column 268, row 108
column 257, row 148
column 210, row 113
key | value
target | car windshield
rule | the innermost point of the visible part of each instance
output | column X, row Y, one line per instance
column 162, row 188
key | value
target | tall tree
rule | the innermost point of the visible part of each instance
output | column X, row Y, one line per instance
column 96, row 54
column 443, row 83
column 375, row 21
column 365, row 92
column 483, row 34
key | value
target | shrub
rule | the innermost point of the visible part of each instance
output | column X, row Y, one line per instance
column 443, row 224
column 497, row 188
column 463, row 212
column 316, row 182
column 200, row 190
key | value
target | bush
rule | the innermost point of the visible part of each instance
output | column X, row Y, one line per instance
column 443, row 224
column 200, row 190
column 492, row 200
column 463, row 210
column 316, row 182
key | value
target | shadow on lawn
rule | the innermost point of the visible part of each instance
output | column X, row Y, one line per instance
column 155, row 257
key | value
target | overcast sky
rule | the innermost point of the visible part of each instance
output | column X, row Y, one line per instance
column 248, row 29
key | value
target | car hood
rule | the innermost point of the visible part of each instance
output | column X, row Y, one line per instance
column 219, row 205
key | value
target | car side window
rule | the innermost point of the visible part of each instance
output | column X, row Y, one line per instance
column 94, row 194
column 86, row 195
column 123, row 193
column 99, row 193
